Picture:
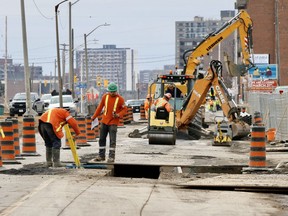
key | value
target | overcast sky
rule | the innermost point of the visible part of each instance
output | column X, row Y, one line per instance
column 145, row 26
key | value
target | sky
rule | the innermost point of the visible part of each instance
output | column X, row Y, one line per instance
column 145, row 26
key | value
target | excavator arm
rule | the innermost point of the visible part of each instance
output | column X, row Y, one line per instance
column 241, row 22
column 198, row 94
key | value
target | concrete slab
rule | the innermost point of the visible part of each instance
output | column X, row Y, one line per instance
column 275, row 182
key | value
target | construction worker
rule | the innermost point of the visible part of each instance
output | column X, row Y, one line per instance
column 243, row 112
column 147, row 104
column 171, row 90
column 50, row 128
column 163, row 102
column 113, row 106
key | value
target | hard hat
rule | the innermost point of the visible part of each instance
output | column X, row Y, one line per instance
column 148, row 96
column 112, row 87
column 168, row 95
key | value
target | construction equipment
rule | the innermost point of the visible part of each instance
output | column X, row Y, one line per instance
column 223, row 133
column 241, row 22
column 194, row 100
column 195, row 85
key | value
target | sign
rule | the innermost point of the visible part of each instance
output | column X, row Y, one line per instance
column 81, row 85
column 260, row 58
column 263, row 85
column 264, row 72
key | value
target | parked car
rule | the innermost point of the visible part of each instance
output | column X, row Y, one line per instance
column 135, row 104
column 46, row 99
column 68, row 103
column 17, row 105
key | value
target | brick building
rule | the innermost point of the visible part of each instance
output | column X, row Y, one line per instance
column 270, row 34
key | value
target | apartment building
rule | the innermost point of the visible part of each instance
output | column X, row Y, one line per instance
column 111, row 64
column 188, row 34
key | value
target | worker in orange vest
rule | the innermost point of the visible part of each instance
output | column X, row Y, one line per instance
column 147, row 104
column 50, row 128
column 163, row 102
column 113, row 106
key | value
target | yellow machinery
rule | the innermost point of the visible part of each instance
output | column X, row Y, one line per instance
column 197, row 85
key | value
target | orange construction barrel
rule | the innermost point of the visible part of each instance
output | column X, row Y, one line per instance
column 258, row 148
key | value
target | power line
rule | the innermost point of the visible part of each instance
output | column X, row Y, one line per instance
column 41, row 12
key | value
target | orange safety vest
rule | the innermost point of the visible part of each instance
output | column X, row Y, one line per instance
column 162, row 102
column 58, row 117
column 111, row 105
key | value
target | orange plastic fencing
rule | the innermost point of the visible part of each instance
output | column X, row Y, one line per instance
column 258, row 147
column 29, row 140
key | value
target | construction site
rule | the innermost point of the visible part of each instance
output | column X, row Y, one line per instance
column 193, row 149
column 190, row 177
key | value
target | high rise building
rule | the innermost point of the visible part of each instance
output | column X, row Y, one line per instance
column 190, row 33
column 110, row 64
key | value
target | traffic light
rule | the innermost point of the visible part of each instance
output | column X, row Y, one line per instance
column 106, row 82
column 75, row 79
column 45, row 83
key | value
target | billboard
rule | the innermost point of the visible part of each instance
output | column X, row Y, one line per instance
column 264, row 72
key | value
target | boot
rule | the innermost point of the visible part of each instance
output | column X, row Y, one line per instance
column 56, row 158
column 49, row 157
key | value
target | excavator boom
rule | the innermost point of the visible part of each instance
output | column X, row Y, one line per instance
column 241, row 22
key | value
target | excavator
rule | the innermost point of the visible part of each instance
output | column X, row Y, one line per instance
column 164, row 131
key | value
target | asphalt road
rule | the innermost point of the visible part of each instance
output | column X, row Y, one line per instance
column 61, row 191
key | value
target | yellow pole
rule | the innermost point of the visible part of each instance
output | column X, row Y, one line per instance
column 72, row 146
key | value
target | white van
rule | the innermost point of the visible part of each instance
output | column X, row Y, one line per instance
column 281, row 89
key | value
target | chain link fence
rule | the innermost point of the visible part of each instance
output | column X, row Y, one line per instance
column 274, row 111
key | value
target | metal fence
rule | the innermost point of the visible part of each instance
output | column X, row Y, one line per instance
column 274, row 111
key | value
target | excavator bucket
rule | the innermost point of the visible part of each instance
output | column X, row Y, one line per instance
column 232, row 68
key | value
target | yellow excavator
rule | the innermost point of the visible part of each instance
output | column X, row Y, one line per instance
column 196, row 86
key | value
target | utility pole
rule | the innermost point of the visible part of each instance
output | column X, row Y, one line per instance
column 55, row 69
column 63, row 62
column 26, row 63
column 58, row 55
column 6, row 108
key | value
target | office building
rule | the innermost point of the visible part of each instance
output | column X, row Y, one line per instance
column 109, row 64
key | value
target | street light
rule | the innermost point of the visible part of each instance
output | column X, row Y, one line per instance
column 58, row 55
column 71, row 69
column 86, row 56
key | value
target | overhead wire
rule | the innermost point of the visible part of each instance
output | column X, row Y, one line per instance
column 38, row 9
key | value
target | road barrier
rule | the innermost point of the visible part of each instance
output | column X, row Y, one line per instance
column 142, row 112
column 7, row 143
column 29, row 140
column 15, row 126
column 1, row 163
column 89, row 132
column 258, row 119
column 121, row 122
column 258, row 148
column 81, row 138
